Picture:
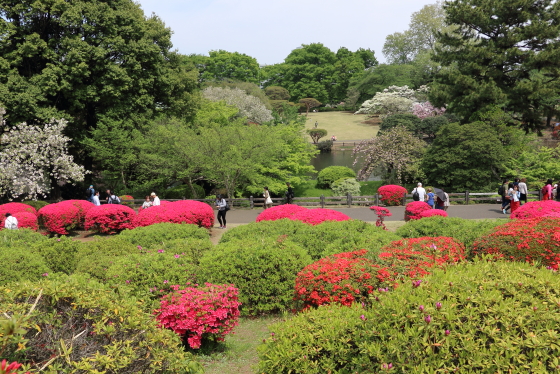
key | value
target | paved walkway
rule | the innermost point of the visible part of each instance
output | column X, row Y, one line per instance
column 478, row 211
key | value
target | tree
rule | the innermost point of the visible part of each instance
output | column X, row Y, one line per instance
column 465, row 157
column 249, row 106
column 316, row 134
column 222, row 65
column 309, row 103
column 250, row 89
column 501, row 53
column 34, row 159
column 392, row 154
column 277, row 93
column 393, row 100
column 407, row 120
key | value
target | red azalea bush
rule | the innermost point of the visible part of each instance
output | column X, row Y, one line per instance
column 317, row 216
column 195, row 313
column 15, row 208
column 414, row 257
column 391, row 194
column 279, row 212
column 184, row 211
column 9, row 368
column 25, row 220
column 535, row 209
column 531, row 240
column 413, row 210
column 381, row 214
column 342, row 278
column 433, row 212
column 62, row 217
column 110, row 218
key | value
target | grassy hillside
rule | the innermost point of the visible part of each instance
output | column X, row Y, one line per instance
column 344, row 125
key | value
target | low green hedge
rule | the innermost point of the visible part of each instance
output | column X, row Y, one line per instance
column 483, row 317
column 19, row 264
column 20, row 237
column 60, row 254
column 159, row 233
column 330, row 174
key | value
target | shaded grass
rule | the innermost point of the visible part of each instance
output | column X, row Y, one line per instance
column 309, row 189
column 344, row 125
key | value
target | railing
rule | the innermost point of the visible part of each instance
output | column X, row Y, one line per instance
column 462, row 198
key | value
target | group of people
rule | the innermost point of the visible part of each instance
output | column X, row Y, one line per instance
column 151, row 200
column 438, row 200
column 513, row 194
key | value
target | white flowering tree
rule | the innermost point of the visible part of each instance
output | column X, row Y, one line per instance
column 393, row 100
column 33, row 157
column 249, row 106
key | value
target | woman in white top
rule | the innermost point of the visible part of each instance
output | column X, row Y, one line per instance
column 514, row 196
column 95, row 199
column 147, row 203
column 267, row 199
column 11, row 222
column 522, row 187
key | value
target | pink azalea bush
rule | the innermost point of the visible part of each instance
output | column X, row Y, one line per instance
column 110, row 218
column 432, row 213
column 414, row 209
column 318, row 215
column 391, row 194
column 162, row 202
column 15, row 208
column 184, row 211
column 279, row 212
column 381, row 213
column 25, row 220
column 195, row 313
column 62, row 217
column 536, row 209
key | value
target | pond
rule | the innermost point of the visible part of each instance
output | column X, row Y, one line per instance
column 338, row 157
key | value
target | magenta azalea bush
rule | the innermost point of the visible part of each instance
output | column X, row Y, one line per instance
column 25, row 220
column 162, row 202
column 195, row 313
column 15, row 208
column 432, row 213
column 414, row 209
column 110, row 218
column 184, row 211
column 62, row 217
column 536, row 209
column 391, row 194
column 318, row 215
column 381, row 213
column 279, row 212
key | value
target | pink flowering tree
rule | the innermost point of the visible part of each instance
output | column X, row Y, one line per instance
column 381, row 213
column 426, row 109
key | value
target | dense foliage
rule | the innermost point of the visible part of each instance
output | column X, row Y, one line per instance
column 330, row 174
column 61, row 218
column 535, row 209
column 110, row 218
column 391, row 194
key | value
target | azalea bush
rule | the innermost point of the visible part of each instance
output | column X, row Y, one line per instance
column 318, row 215
column 127, row 200
column 342, row 278
column 528, row 240
column 433, row 213
column 184, row 211
column 414, row 209
column 16, row 208
column 200, row 313
column 381, row 214
column 279, row 212
column 61, row 218
column 391, row 194
column 110, row 218
column 25, row 220
column 161, row 202
column 535, row 209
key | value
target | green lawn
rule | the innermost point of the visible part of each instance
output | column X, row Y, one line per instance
column 344, row 125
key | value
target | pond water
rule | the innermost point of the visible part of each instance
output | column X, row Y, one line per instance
column 338, row 158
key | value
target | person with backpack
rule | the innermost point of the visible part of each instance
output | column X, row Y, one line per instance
column 112, row 198
column 289, row 194
column 222, row 206
column 90, row 193
column 11, row 222
column 546, row 191
column 419, row 193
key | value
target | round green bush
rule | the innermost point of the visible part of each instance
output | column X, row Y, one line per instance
column 344, row 186
column 60, row 254
column 19, row 264
column 264, row 270
column 36, row 204
column 463, row 230
column 482, row 317
column 159, row 233
column 284, row 228
column 20, row 237
column 80, row 326
column 330, row 174
column 190, row 249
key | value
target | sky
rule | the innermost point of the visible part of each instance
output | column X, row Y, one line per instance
column 270, row 30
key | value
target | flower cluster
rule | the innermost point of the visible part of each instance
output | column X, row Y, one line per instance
column 391, row 194
column 110, row 218
column 381, row 214
column 279, row 212
column 25, row 220
column 414, row 209
column 535, row 209
column 414, row 257
column 195, row 313
column 426, row 109
column 11, row 368
column 433, row 212
column 162, row 202
column 343, row 278
column 184, row 211
column 531, row 240
column 62, row 217
column 15, row 208
column 318, row 215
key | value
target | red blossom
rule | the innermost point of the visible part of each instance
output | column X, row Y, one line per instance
column 25, row 220
column 433, row 212
column 319, row 215
column 15, row 208
column 391, row 194
column 535, row 209
column 279, row 212
column 62, row 217
column 184, row 211
column 110, row 218
column 413, row 210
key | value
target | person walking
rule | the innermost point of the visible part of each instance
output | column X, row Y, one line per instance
column 112, row 198
column 514, row 198
column 155, row 198
column 430, row 198
column 221, row 204
column 547, row 191
column 420, row 191
column 446, row 202
column 507, row 198
column 522, row 187
column 11, row 222
column 95, row 199
column 502, row 191
column 267, row 199
column 90, row 193
column 147, row 203
column 289, row 194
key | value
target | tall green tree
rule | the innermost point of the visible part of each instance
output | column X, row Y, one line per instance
column 222, row 65
column 504, row 53
column 379, row 77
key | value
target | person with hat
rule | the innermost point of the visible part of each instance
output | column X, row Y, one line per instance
column 156, row 201
column 90, row 193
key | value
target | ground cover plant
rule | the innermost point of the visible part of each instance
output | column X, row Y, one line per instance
column 160, row 233
column 344, row 125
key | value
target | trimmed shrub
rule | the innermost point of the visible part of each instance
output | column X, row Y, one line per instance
column 318, row 215
column 184, row 211
column 531, row 240
column 413, row 210
column 200, row 313
column 37, row 204
column 79, row 326
column 330, row 174
column 161, row 233
column 484, row 317
column 20, row 238
column 60, row 254
column 391, row 194
column 26, row 220
column 127, row 200
column 342, row 278
column 60, row 218
column 433, row 212
column 264, row 271
column 279, row 212
column 19, row 264
column 285, row 228
column 345, row 186
column 16, row 208
column 110, row 219
column 189, row 248
column 536, row 209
